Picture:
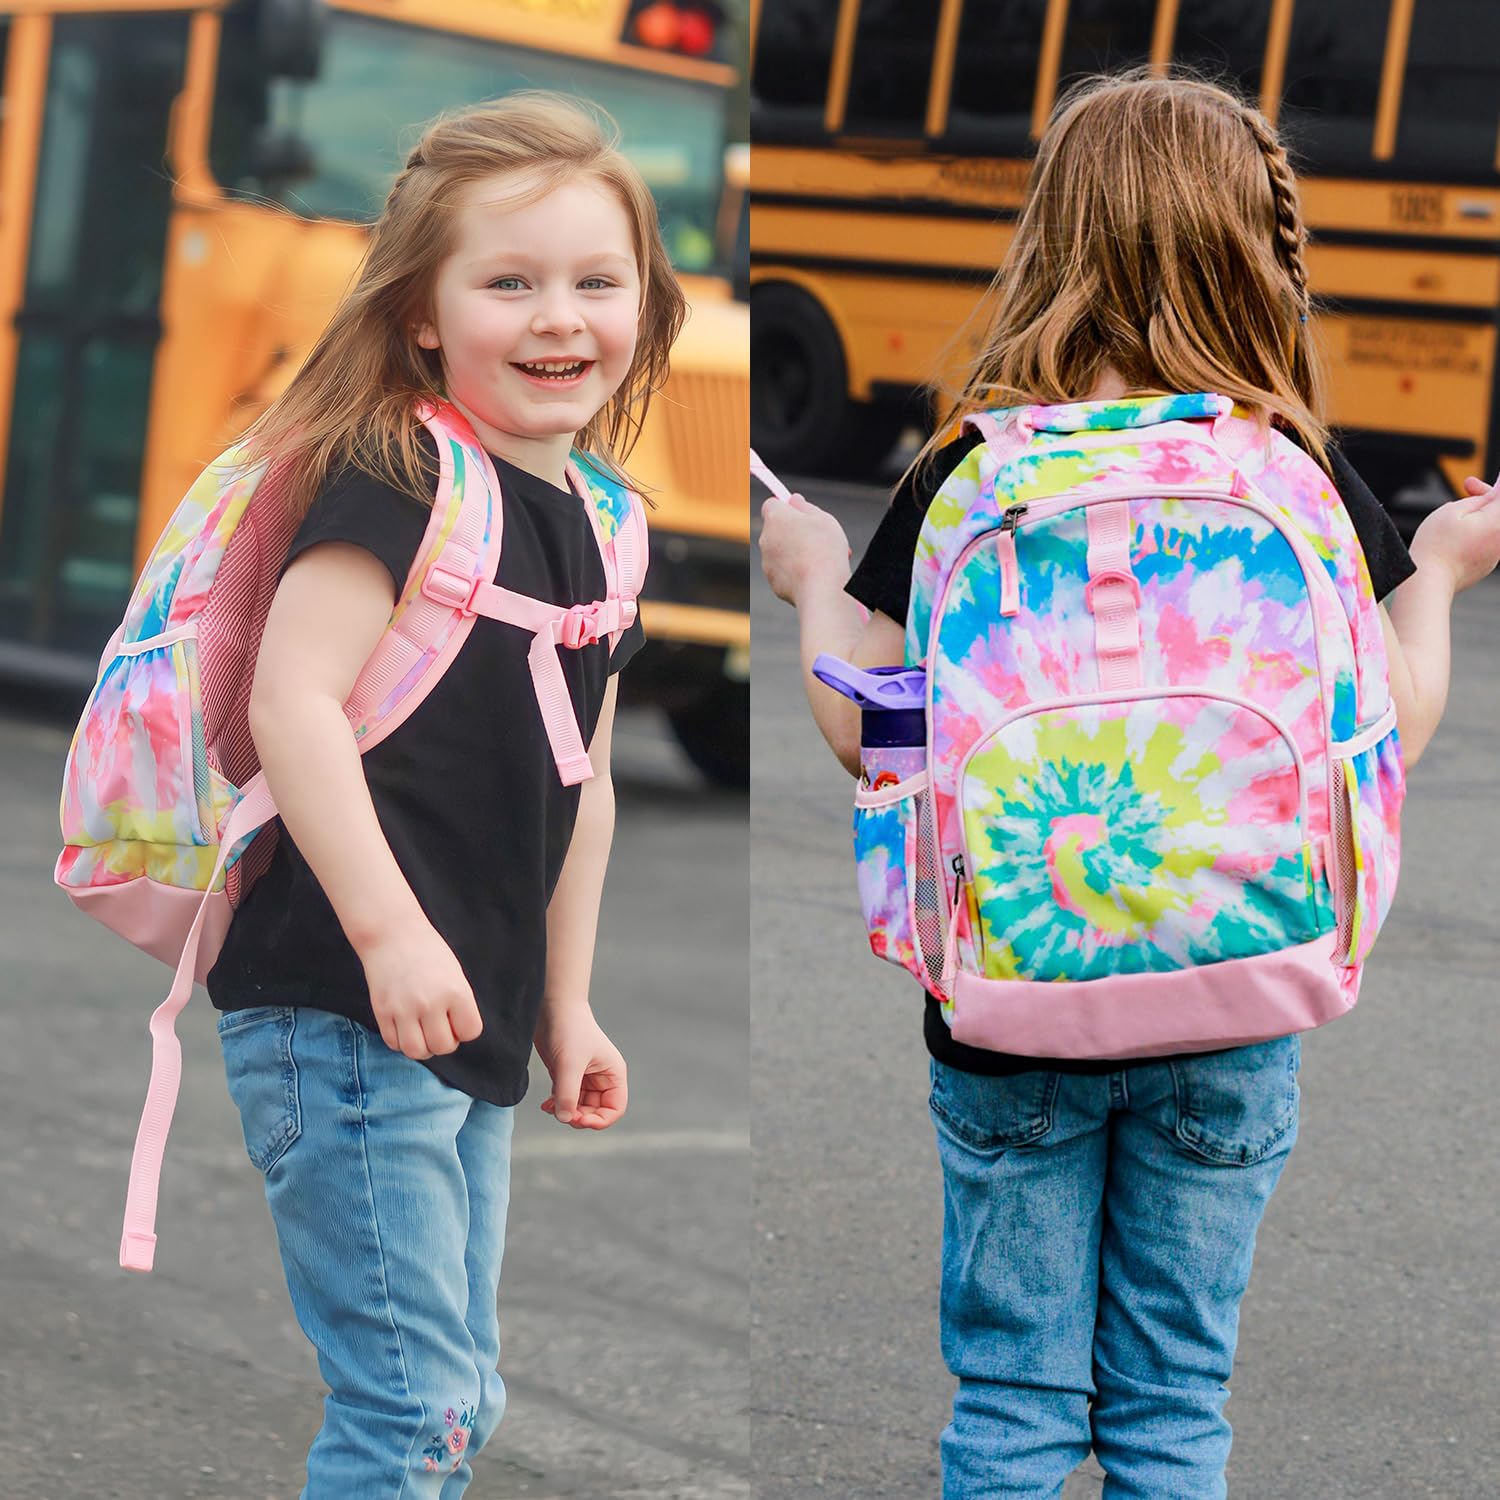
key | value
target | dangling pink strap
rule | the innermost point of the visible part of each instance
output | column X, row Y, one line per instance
column 1113, row 594
column 552, row 626
column 138, row 1242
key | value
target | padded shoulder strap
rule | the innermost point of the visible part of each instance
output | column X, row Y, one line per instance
column 425, row 633
column 1006, row 431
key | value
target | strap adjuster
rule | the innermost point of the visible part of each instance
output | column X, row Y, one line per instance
column 579, row 626
column 455, row 590
column 1112, row 575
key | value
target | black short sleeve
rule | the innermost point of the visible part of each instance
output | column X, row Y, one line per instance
column 629, row 643
column 355, row 507
column 883, row 578
column 1389, row 562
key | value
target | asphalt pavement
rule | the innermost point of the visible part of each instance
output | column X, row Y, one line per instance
column 624, row 1301
column 1369, row 1346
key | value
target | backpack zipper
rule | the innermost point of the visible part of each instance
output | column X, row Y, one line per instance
column 1010, row 568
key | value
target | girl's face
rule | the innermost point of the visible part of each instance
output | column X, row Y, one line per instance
column 535, row 314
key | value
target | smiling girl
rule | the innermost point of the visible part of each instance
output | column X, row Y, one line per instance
column 430, row 909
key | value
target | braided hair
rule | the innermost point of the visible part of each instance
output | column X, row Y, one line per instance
column 1291, row 232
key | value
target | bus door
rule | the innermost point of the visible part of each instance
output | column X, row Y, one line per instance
column 86, row 324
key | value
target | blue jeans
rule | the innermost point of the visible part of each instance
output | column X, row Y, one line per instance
column 1097, row 1239
column 388, row 1190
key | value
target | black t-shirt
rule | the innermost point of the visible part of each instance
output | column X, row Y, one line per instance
column 883, row 581
column 466, row 791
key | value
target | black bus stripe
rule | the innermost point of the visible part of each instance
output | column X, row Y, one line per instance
column 938, row 208
column 1438, row 312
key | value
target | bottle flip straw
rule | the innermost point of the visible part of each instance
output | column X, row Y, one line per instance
column 893, row 724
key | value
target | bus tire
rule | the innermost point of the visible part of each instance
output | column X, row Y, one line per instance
column 714, row 732
column 802, row 418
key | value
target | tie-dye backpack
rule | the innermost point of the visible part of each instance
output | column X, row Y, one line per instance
column 1163, row 787
column 166, row 817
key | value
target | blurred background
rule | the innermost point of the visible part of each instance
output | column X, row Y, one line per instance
column 184, row 194
column 892, row 145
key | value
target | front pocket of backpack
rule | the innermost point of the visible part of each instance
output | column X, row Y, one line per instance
column 1369, row 787
column 138, row 771
column 1136, row 834
column 900, row 887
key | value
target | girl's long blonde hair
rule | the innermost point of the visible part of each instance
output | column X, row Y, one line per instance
column 1161, row 235
column 353, row 399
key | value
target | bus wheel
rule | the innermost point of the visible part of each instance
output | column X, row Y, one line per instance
column 714, row 732
column 801, row 416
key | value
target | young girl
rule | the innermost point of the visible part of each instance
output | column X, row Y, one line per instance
column 430, row 910
column 1095, row 1251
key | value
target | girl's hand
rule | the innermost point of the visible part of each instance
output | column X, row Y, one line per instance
column 587, row 1071
column 1462, row 538
column 422, row 1001
column 798, row 543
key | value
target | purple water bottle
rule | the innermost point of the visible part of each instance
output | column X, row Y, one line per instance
column 893, row 721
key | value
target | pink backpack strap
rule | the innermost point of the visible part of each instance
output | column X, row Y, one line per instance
column 632, row 554
column 138, row 1240
column 429, row 626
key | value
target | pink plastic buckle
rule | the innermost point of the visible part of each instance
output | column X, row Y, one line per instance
column 627, row 612
column 1112, row 575
column 579, row 626
column 452, row 589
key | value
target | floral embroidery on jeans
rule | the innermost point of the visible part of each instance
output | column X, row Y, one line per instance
column 452, row 1444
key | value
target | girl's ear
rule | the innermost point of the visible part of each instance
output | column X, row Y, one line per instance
column 426, row 335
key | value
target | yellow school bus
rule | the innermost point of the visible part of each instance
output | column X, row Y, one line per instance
column 891, row 146
column 185, row 187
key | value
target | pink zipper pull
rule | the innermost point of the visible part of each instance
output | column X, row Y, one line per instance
column 1010, row 567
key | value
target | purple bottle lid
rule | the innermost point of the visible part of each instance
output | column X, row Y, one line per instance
column 901, row 689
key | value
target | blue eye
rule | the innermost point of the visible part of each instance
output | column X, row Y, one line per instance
column 509, row 283
column 596, row 283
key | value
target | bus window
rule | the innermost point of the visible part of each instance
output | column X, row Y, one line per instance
column 893, row 46
column 1224, row 43
column 793, row 53
column 1450, row 104
column 1104, row 34
column 1332, row 83
column 89, row 328
column 994, row 75
column 379, row 82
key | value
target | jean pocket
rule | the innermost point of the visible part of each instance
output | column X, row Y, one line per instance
column 1235, row 1107
column 262, row 1077
column 992, row 1114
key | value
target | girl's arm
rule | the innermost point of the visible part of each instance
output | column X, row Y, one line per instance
column 1456, row 546
column 329, row 611
column 588, row 1073
column 805, row 555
